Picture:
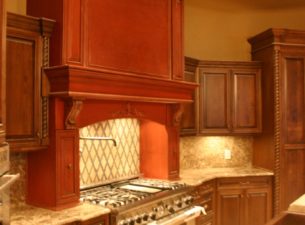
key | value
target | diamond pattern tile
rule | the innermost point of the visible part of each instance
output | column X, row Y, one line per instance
column 100, row 160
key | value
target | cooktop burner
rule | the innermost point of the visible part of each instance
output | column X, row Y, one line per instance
column 123, row 193
column 111, row 197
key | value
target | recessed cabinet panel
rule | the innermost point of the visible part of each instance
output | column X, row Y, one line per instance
column 228, row 207
column 294, row 174
column 257, row 206
column 74, row 32
column 295, row 98
column 246, row 102
column 130, row 37
column 214, row 108
column 22, row 90
column 68, row 168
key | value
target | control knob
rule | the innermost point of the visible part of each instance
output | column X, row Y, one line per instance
column 178, row 203
column 170, row 208
column 145, row 216
column 138, row 219
column 153, row 216
column 188, row 200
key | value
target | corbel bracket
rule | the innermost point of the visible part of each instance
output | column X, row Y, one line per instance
column 72, row 108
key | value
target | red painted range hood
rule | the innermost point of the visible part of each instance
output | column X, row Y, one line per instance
column 109, row 59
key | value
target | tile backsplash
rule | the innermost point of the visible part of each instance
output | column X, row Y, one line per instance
column 113, row 158
column 18, row 164
column 208, row 152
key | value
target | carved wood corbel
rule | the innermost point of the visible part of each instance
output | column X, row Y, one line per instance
column 179, row 108
column 72, row 108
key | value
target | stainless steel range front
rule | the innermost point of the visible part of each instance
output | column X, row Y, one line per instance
column 145, row 201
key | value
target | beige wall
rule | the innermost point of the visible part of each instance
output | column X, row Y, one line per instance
column 16, row 6
column 221, row 33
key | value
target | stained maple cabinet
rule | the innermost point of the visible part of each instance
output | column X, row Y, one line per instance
column 244, row 201
column 227, row 101
column 281, row 147
column 229, row 97
column 26, row 101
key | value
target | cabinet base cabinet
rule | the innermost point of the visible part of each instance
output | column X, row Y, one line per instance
column 244, row 201
column 100, row 220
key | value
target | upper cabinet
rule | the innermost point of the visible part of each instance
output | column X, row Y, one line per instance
column 142, row 39
column 26, row 102
column 228, row 98
column 281, row 146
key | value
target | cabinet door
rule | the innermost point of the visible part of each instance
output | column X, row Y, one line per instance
column 293, row 126
column 257, row 206
column 230, row 206
column 67, row 166
column 246, row 101
column 214, row 105
column 22, row 88
column 189, row 118
column 101, row 220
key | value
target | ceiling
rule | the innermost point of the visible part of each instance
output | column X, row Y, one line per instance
column 247, row 4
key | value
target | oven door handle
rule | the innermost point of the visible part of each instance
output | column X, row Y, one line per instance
column 182, row 218
column 9, row 179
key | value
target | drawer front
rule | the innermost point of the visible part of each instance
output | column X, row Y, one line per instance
column 244, row 182
column 205, row 219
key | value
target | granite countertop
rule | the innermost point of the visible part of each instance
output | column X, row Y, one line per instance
column 198, row 176
column 29, row 215
column 298, row 206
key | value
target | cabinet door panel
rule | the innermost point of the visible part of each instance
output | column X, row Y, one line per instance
column 67, row 167
column 215, row 102
column 246, row 101
column 22, row 89
column 294, row 97
column 292, row 176
column 229, row 207
column 130, row 37
column 258, row 206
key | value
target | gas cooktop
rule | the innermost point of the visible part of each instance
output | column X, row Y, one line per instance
column 142, row 201
column 126, row 192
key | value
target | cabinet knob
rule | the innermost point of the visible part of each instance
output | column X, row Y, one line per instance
column 69, row 167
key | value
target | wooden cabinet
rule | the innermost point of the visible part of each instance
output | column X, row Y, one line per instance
column 244, row 201
column 26, row 102
column 63, row 186
column 281, row 147
column 229, row 97
column 100, row 220
column 206, row 199
column 143, row 39
column 189, row 118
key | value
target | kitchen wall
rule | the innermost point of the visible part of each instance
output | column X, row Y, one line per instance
column 218, row 30
column 16, row 6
